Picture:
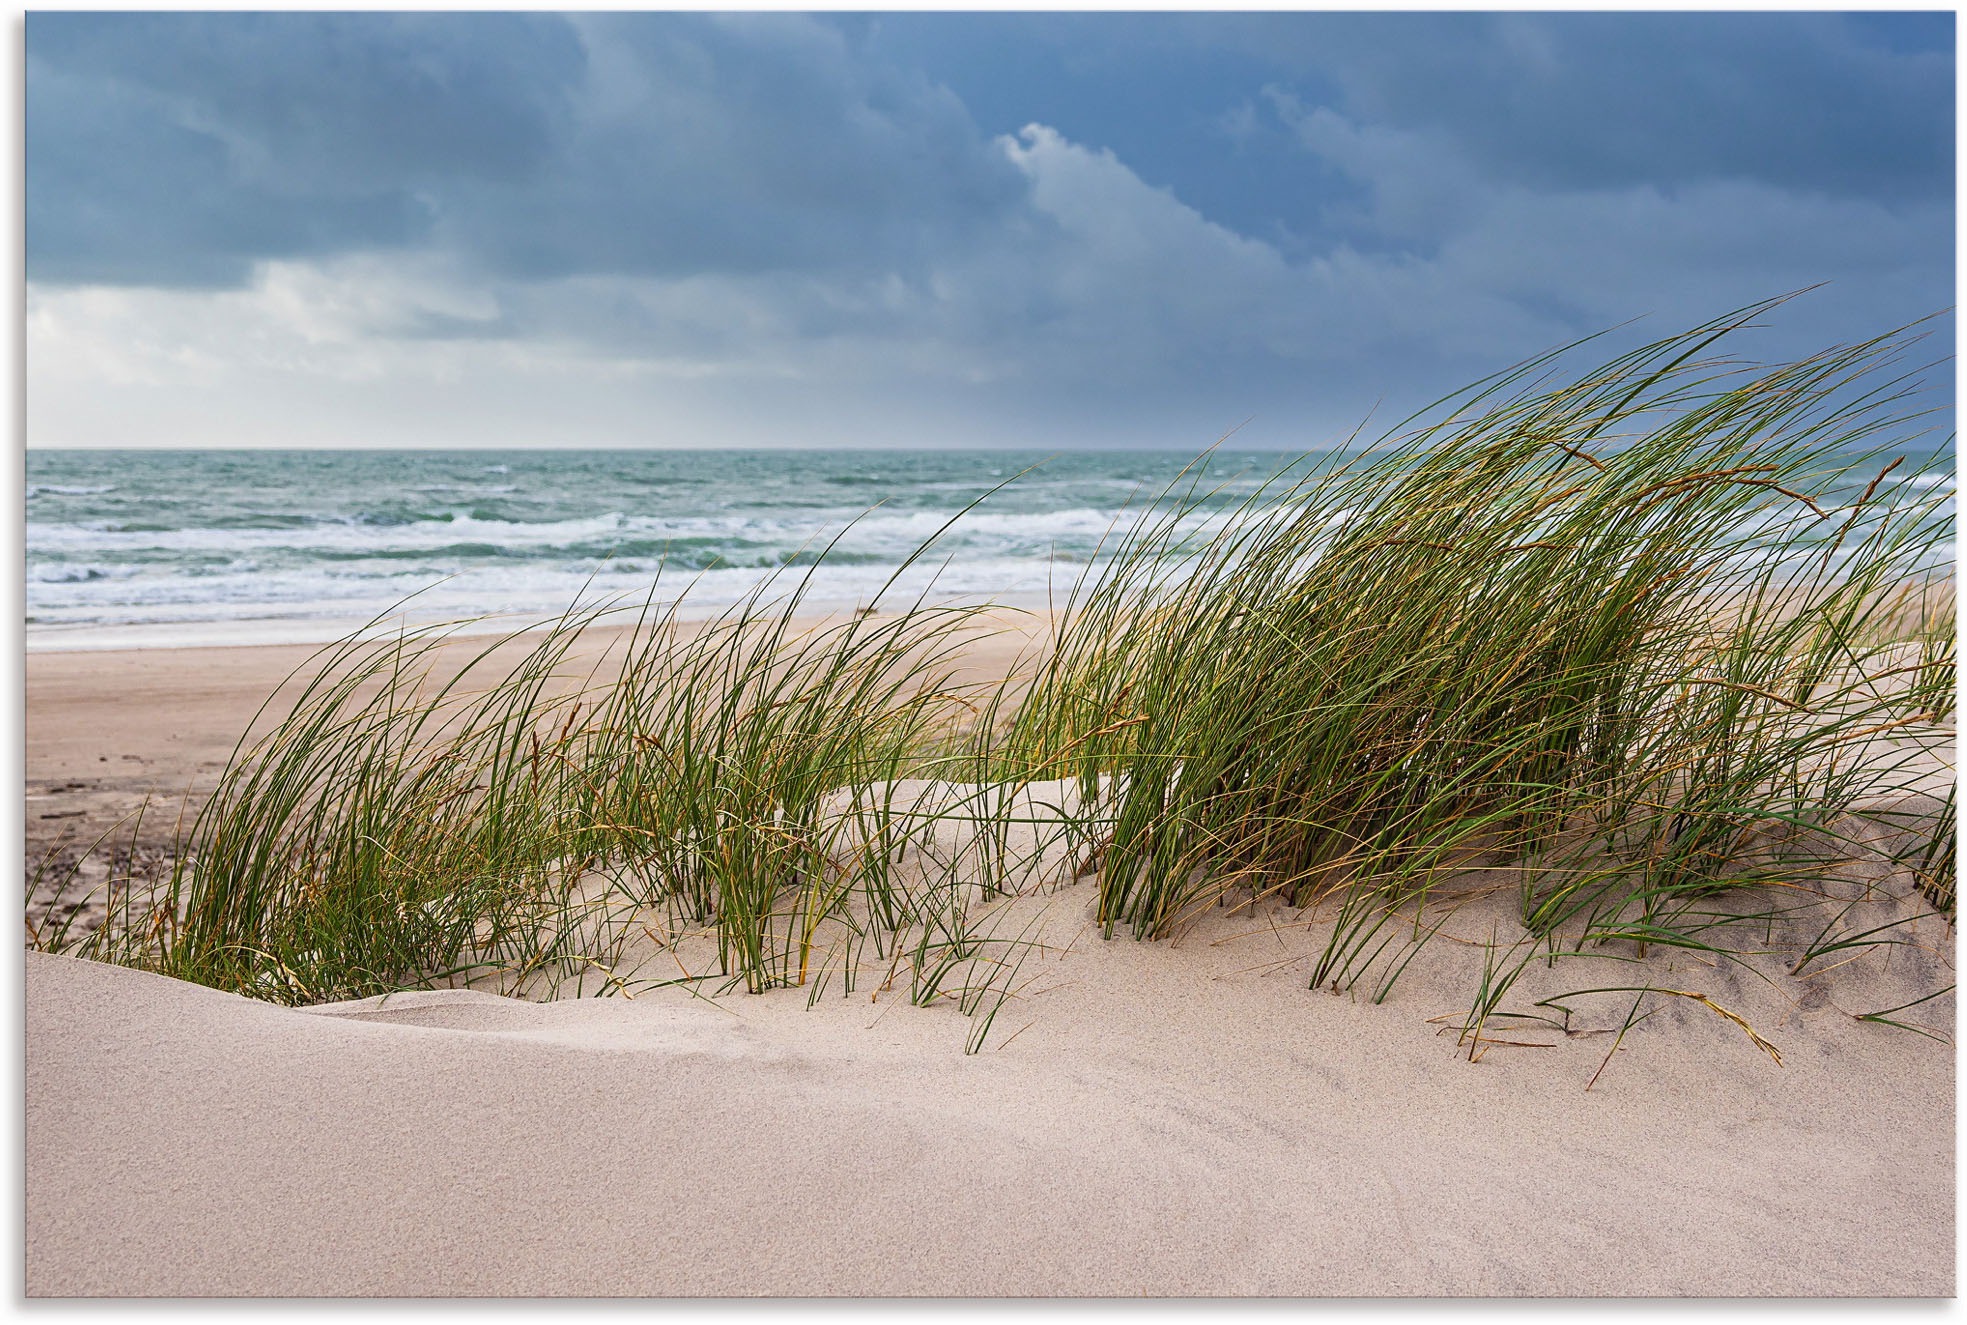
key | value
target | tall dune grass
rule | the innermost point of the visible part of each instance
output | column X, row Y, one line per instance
column 416, row 819
column 1663, row 637
column 1638, row 634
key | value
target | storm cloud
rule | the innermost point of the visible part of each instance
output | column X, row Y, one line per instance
column 1018, row 228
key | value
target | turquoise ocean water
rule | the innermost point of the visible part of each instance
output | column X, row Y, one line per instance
column 183, row 547
column 216, row 546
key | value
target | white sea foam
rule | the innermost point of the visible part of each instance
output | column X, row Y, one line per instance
column 526, row 588
column 68, row 489
column 79, row 572
column 879, row 532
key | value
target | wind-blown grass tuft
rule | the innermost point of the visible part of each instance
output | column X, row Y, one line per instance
column 1643, row 636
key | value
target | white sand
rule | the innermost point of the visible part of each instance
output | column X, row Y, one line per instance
column 1160, row 1118
column 1145, row 1119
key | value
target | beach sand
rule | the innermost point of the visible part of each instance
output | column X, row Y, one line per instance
column 1182, row 1118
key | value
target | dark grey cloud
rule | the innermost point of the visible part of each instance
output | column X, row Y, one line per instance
column 743, row 143
column 175, row 150
column 1832, row 103
column 178, row 149
column 551, row 145
column 1802, row 101
column 342, row 101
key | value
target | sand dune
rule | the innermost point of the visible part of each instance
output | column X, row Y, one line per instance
column 1146, row 1119
column 1143, row 1118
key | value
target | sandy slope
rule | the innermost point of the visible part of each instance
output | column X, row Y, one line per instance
column 1145, row 1118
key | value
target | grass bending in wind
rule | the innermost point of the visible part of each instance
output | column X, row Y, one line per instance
column 1664, row 638
column 1641, row 636
column 417, row 821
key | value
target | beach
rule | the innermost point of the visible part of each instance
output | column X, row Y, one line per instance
column 989, row 655
column 1180, row 1117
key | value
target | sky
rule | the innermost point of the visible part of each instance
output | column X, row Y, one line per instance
column 1034, row 230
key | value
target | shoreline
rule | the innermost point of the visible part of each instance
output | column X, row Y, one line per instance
column 314, row 632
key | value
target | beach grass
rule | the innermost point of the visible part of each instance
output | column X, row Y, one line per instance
column 1669, row 640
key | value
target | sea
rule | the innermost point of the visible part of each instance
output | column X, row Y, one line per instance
column 167, row 548
column 132, row 548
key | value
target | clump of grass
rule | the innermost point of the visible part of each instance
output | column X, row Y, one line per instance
column 422, row 819
column 1619, row 632
column 1665, row 637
